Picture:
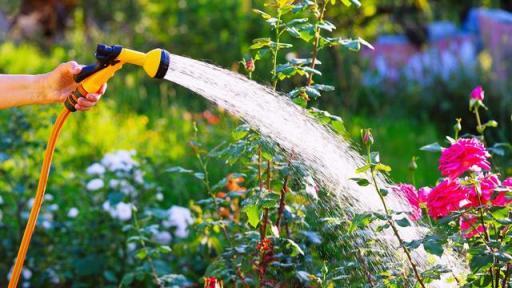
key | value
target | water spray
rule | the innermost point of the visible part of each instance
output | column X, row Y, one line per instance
column 109, row 60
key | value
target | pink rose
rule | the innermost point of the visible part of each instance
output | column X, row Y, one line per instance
column 446, row 197
column 464, row 154
column 478, row 93
column 411, row 195
column 469, row 226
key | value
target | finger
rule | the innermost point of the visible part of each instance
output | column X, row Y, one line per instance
column 93, row 97
column 85, row 103
column 72, row 67
column 81, row 108
column 102, row 89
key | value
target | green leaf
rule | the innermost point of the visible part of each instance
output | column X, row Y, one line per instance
column 262, row 14
column 346, row 2
column 480, row 261
column 240, row 132
column 179, row 169
column 297, row 21
column 270, row 201
column 311, row 70
column 260, row 43
column 326, row 25
column 253, row 214
column 322, row 87
column 383, row 168
column 296, row 250
column 404, row 222
column 312, row 92
column 141, row 254
column 434, row 147
column 361, row 181
column 164, row 249
column 293, row 32
column 375, row 157
column 433, row 245
column 363, row 169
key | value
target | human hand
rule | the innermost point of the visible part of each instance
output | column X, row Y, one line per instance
column 58, row 84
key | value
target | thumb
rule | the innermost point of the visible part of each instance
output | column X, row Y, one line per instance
column 71, row 67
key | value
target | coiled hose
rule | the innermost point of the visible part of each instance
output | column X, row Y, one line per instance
column 38, row 200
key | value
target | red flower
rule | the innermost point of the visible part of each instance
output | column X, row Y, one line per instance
column 411, row 195
column 446, row 197
column 463, row 155
column 212, row 282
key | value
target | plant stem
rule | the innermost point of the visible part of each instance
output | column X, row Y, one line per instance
column 504, row 283
column 317, row 42
column 275, row 79
column 280, row 210
column 391, row 222
column 486, row 233
column 479, row 127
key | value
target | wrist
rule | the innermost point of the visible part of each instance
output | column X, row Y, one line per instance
column 41, row 90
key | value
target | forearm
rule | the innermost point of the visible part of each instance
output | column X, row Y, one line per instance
column 18, row 90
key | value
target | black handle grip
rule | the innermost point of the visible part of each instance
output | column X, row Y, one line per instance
column 87, row 71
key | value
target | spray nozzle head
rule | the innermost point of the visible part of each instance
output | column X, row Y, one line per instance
column 106, row 54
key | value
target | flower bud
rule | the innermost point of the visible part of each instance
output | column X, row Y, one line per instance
column 492, row 123
column 457, row 127
column 413, row 165
column 367, row 137
column 478, row 93
column 249, row 65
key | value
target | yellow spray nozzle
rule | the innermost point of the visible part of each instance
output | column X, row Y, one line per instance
column 110, row 59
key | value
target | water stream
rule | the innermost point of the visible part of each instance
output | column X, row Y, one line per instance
column 330, row 158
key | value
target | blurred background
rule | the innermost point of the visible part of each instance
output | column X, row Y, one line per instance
column 428, row 56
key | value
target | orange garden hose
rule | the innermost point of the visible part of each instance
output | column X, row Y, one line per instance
column 91, row 78
column 38, row 200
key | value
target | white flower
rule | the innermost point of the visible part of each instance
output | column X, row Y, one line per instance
column 53, row 207
column 121, row 211
column 124, row 211
column 73, row 212
column 159, row 196
column 30, row 202
column 48, row 197
column 54, row 278
column 131, row 247
column 1, row 200
column 123, row 186
column 119, row 161
column 162, row 237
column 138, row 176
column 46, row 224
column 311, row 187
column 27, row 274
column 179, row 217
column 95, row 169
column 95, row 184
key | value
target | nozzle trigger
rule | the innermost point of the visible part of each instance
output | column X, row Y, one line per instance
column 86, row 72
